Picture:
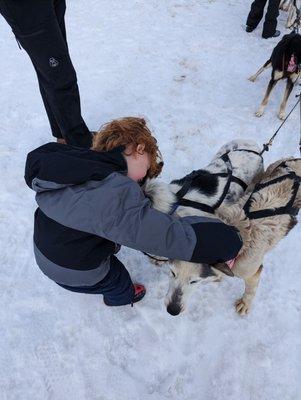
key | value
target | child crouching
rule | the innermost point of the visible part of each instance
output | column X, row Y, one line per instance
column 90, row 202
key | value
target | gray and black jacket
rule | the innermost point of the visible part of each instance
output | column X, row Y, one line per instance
column 87, row 205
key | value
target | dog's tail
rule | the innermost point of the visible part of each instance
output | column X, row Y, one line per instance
column 160, row 195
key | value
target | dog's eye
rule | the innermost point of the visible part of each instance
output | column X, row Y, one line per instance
column 192, row 282
column 173, row 274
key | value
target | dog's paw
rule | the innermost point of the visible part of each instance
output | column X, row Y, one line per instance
column 242, row 306
column 252, row 78
column 259, row 113
column 281, row 115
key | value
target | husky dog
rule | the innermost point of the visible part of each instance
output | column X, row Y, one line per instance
column 263, row 219
column 235, row 167
column 285, row 62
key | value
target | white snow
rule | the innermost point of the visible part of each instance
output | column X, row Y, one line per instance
column 183, row 64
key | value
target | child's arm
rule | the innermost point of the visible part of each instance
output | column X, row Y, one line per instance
column 116, row 209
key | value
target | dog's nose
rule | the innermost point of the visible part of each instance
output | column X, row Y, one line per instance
column 173, row 309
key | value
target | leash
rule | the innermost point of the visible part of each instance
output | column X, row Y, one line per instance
column 266, row 146
column 297, row 21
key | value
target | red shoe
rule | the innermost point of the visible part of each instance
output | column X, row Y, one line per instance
column 139, row 292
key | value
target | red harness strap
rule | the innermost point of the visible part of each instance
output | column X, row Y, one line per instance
column 292, row 65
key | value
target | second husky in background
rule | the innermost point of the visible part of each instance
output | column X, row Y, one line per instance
column 285, row 62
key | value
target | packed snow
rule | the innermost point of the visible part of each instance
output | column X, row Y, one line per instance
column 183, row 64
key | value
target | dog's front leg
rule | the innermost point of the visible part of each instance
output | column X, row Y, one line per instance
column 288, row 90
column 243, row 305
column 265, row 100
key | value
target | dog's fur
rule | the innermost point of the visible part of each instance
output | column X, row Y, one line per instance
column 261, row 235
column 207, row 189
column 279, row 61
column 291, row 6
column 285, row 4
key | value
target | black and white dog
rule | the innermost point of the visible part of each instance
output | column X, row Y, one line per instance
column 286, row 64
column 234, row 169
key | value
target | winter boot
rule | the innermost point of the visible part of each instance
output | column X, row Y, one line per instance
column 139, row 292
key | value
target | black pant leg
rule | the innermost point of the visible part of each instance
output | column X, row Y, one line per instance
column 60, row 10
column 117, row 287
column 256, row 13
column 55, row 129
column 270, row 23
column 35, row 24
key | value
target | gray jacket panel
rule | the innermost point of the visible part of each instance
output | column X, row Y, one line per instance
column 71, row 277
column 116, row 209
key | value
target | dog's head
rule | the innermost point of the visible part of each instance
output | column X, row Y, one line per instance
column 185, row 277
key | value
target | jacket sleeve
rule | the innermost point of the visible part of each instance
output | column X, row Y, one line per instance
column 116, row 209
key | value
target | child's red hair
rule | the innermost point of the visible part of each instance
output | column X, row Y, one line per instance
column 129, row 131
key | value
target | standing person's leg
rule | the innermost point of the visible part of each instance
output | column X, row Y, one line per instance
column 270, row 23
column 35, row 24
column 60, row 10
column 55, row 129
column 256, row 13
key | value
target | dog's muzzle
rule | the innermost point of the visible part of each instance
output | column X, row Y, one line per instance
column 174, row 309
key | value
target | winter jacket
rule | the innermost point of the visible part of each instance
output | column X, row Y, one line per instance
column 87, row 205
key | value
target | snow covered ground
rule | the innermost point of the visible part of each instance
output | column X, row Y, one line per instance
column 183, row 64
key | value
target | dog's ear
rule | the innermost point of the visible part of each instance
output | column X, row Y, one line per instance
column 223, row 267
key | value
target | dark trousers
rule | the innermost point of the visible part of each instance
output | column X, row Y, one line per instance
column 117, row 287
column 39, row 26
column 256, row 14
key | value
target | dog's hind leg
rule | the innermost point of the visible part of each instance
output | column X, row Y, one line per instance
column 285, row 5
column 288, row 90
column 292, row 16
column 265, row 100
column 267, row 65
column 243, row 305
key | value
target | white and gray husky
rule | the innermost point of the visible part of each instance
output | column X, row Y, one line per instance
column 234, row 170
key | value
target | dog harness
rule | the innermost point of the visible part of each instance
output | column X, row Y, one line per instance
column 202, row 206
column 292, row 65
column 271, row 212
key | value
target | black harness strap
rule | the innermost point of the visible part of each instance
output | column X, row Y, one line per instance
column 196, row 205
column 227, row 161
column 230, row 178
column 250, row 151
column 287, row 209
column 188, row 181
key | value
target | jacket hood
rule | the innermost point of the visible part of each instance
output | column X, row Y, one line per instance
column 56, row 165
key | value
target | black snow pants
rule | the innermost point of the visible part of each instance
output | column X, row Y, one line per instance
column 256, row 14
column 117, row 286
column 39, row 27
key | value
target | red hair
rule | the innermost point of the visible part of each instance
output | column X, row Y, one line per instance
column 129, row 131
